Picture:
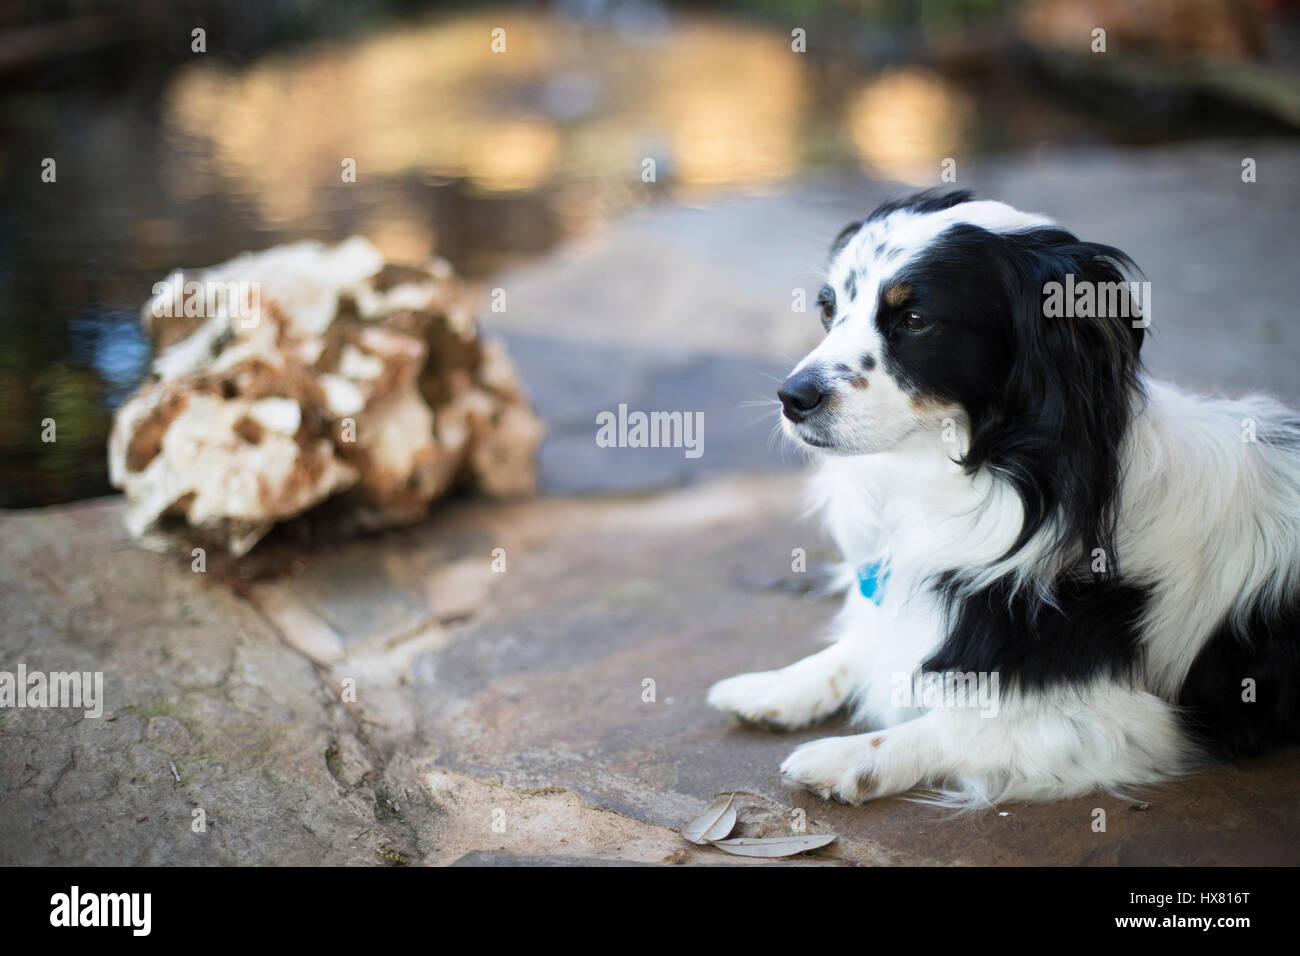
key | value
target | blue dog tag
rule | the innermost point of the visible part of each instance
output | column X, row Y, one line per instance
column 871, row 582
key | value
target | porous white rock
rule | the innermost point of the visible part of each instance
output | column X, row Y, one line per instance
column 316, row 373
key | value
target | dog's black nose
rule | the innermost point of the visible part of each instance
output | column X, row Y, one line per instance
column 801, row 394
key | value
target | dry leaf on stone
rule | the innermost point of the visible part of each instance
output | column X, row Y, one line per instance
column 713, row 824
column 775, row 846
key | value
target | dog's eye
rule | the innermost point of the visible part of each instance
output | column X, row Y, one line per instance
column 915, row 322
column 826, row 299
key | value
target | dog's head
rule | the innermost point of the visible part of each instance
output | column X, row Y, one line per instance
column 941, row 318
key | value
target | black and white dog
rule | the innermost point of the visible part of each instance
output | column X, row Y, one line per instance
column 1021, row 511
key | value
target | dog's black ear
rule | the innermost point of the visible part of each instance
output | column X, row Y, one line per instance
column 1058, row 425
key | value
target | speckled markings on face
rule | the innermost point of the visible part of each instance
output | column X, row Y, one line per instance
column 873, row 401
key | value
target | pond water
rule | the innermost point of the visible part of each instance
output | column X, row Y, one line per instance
column 479, row 156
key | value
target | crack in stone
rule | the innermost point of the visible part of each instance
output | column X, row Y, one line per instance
column 49, row 794
column 373, row 780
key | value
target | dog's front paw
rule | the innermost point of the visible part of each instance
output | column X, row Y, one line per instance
column 837, row 768
column 774, row 699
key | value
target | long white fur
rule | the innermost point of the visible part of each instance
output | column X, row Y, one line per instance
column 1209, row 519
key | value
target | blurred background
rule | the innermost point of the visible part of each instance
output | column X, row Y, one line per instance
column 168, row 157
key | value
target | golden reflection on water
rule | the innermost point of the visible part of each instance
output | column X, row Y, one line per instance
column 733, row 102
column 716, row 103
column 514, row 154
column 905, row 121
column 399, row 237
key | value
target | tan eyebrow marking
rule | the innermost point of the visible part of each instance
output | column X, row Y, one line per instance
column 897, row 295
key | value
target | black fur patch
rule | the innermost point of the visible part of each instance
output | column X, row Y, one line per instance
column 842, row 240
column 928, row 200
column 1263, row 647
column 1048, row 398
column 1091, row 631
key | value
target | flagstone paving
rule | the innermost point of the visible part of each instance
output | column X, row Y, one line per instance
column 504, row 714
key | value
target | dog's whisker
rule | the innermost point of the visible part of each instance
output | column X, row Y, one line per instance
column 773, row 438
column 788, row 359
column 761, row 418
